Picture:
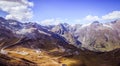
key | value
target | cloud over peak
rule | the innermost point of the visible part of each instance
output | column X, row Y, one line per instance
column 92, row 18
column 112, row 15
column 17, row 9
column 53, row 21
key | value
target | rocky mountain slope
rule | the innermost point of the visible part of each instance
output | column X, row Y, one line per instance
column 30, row 35
column 95, row 36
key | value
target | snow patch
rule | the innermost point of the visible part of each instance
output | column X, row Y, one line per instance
column 13, row 23
column 43, row 32
column 85, row 25
column 25, row 30
column 109, row 26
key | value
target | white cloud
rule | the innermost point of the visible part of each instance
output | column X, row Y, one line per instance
column 107, row 17
column 91, row 18
column 112, row 15
column 52, row 21
column 47, row 21
column 17, row 9
column 88, row 19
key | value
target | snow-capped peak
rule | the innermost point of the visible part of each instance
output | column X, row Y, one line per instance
column 85, row 25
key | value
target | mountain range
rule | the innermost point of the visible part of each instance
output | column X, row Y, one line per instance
column 95, row 37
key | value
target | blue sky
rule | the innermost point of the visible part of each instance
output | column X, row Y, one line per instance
column 74, row 8
column 72, row 11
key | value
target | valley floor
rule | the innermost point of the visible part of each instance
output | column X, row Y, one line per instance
column 29, row 57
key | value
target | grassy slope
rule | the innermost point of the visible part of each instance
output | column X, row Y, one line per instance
column 56, row 58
